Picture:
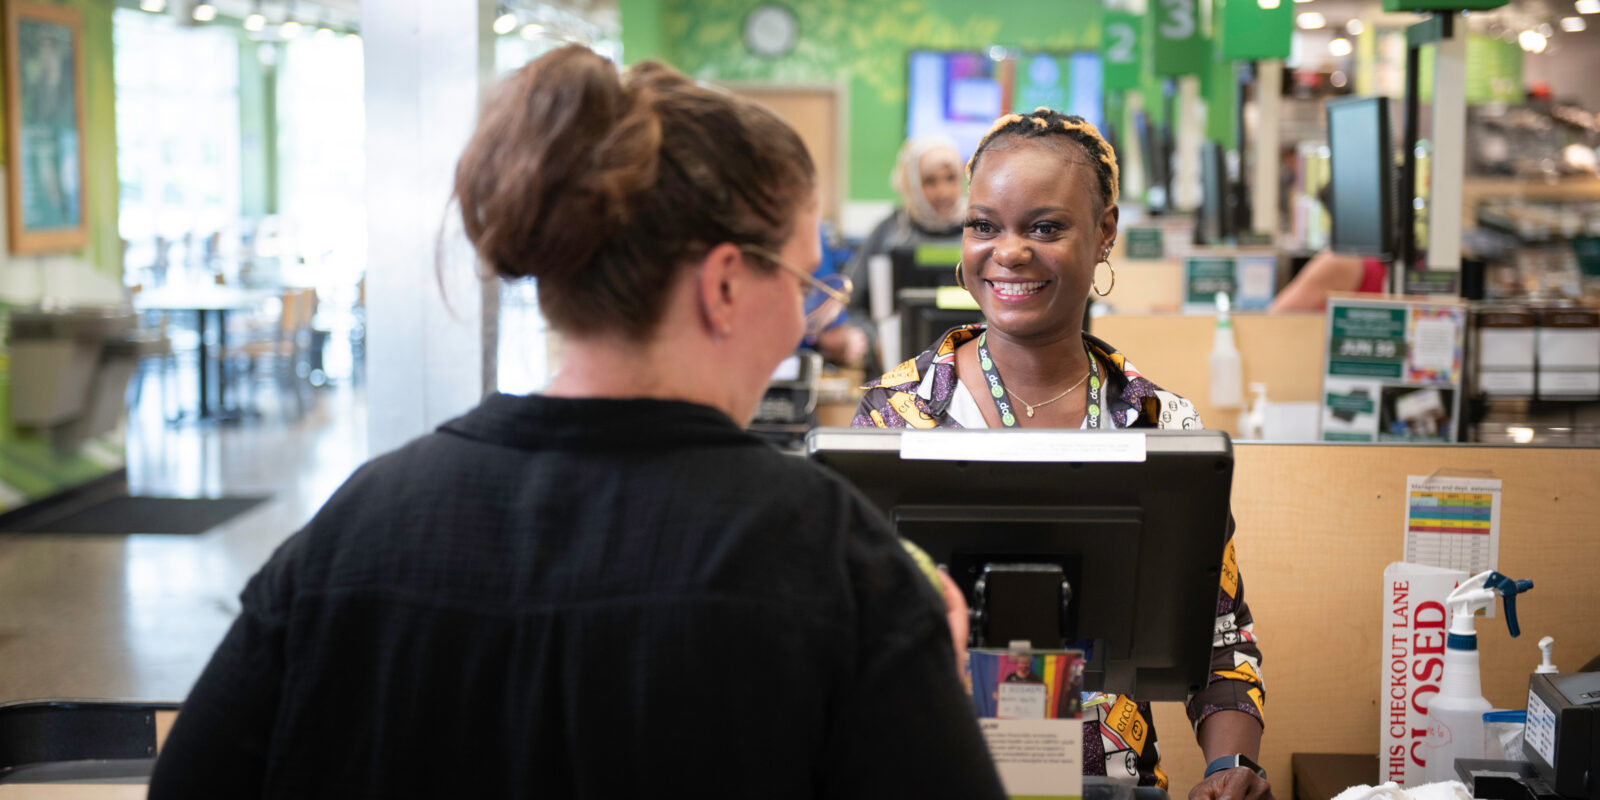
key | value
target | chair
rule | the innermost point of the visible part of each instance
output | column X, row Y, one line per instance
column 72, row 741
column 280, row 355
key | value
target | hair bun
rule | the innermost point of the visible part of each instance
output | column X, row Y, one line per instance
column 556, row 159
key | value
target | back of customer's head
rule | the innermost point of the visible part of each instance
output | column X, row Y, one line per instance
column 603, row 186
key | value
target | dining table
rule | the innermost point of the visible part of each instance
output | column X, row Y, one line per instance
column 207, row 302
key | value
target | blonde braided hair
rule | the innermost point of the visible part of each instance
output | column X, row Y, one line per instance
column 1045, row 122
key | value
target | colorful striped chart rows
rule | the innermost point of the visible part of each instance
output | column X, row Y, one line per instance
column 1450, row 512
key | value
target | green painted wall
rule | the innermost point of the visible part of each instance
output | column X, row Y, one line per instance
column 641, row 37
column 863, row 45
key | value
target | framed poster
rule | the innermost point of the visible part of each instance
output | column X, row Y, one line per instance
column 45, row 206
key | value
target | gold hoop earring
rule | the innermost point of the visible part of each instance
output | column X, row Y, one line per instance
column 1113, row 285
column 960, row 280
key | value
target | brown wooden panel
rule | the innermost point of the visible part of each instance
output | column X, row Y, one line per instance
column 1174, row 350
column 1316, row 526
column 814, row 114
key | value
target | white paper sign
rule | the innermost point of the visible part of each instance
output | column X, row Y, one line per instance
column 1037, row 757
column 1433, row 344
column 1413, row 636
column 1453, row 523
column 1014, row 445
column 1021, row 701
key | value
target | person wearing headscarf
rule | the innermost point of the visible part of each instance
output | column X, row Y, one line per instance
column 927, row 177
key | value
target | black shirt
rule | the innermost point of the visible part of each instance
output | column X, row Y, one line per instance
column 584, row 598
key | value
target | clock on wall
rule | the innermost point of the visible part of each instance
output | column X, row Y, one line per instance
column 771, row 30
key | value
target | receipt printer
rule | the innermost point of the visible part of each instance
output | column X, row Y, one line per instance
column 1562, row 739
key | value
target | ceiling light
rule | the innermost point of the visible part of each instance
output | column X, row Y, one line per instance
column 255, row 22
column 505, row 23
column 323, row 34
column 1545, row 30
column 1340, row 47
column 1302, row 1
column 1587, row 6
column 532, row 31
column 1532, row 42
column 153, row 6
column 204, row 12
column 1311, row 20
column 1572, row 24
column 1355, row 27
column 289, row 29
column 1267, row 5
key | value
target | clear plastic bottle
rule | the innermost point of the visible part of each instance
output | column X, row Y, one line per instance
column 1227, row 370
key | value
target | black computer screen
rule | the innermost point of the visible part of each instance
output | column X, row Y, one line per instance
column 1212, row 221
column 1362, row 163
column 1140, row 542
column 931, row 263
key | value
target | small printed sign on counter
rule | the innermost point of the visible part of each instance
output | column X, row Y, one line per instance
column 1016, row 445
column 1030, row 709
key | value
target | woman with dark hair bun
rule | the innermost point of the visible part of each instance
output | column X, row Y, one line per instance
column 610, row 589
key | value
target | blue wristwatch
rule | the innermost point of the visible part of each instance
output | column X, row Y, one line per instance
column 1233, row 761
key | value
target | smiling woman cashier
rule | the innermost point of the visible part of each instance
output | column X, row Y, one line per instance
column 1041, row 217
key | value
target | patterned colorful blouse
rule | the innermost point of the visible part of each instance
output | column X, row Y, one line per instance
column 1119, row 736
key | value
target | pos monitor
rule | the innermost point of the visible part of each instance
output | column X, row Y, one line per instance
column 1361, row 159
column 1110, row 541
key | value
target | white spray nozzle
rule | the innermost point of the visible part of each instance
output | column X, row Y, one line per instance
column 1223, row 305
column 1546, row 646
column 1479, row 592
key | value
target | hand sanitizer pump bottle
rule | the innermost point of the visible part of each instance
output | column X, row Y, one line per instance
column 1455, row 714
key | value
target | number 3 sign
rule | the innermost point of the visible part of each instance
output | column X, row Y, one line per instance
column 1178, row 43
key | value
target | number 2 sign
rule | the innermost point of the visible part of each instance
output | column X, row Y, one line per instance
column 1122, row 49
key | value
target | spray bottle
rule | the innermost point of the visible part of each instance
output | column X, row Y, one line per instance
column 1455, row 714
column 1227, row 373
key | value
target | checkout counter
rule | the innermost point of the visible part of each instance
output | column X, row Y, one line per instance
column 67, row 379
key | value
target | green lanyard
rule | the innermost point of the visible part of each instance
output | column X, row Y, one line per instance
column 1002, row 404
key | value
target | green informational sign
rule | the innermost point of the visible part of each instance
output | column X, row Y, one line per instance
column 1204, row 277
column 1494, row 70
column 1146, row 244
column 1367, row 342
column 1177, row 41
column 1587, row 249
column 1352, row 403
column 1122, row 49
column 1250, row 32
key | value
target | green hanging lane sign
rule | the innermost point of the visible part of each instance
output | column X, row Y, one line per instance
column 1122, row 49
column 1176, row 31
column 1250, row 32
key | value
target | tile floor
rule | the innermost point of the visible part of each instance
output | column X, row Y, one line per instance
column 136, row 617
